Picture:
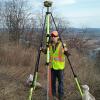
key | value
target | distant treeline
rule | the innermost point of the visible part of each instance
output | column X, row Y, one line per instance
column 70, row 30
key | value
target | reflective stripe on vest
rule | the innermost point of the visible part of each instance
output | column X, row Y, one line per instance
column 57, row 58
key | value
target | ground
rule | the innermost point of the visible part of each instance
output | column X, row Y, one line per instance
column 13, row 75
column 13, row 86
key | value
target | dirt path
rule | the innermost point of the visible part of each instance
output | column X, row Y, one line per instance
column 12, row 85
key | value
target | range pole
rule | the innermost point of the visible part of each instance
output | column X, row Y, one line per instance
column 48, row 4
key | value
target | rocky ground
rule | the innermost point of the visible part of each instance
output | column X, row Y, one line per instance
column 13, row 79
column 13, row 86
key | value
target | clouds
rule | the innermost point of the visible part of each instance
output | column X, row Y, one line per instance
column 86, row 18
column 82, row 13
column 77, row 11
column 78, row 22
column 77, row 14
column 59, row 3
column 35, row 3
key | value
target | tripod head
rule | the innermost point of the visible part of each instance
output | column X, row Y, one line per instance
column 47, row 3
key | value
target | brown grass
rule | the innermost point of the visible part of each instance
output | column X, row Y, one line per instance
column 11, row 54
column 17, row 63
column 86, row 74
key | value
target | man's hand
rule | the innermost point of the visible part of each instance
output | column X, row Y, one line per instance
column 66, row 52
column 65, row 49
column 43, row 50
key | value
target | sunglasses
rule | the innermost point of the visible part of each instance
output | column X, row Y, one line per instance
column 52, row 35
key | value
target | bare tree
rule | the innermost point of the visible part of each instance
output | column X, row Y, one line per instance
column 78, row 39
column 62, row 24
column 15, row 16
column 84, row 31
column 0, row 13
column 97, row 62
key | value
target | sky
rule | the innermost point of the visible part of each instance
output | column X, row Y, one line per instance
column 80, row 13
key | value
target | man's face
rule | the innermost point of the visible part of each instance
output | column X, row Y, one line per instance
column 54, row 38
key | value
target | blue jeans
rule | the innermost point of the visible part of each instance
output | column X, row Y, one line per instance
column 57, row 74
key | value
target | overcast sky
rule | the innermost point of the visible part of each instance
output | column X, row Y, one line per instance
column 78, row 12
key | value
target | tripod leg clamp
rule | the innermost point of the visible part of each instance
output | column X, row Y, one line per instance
column 47, row 63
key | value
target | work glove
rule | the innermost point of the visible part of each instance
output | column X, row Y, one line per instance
column 43, row 50
column 67, row 53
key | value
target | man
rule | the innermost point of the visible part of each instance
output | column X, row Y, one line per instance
column 57, row 63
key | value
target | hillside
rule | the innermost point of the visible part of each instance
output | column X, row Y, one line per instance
column 18, row 62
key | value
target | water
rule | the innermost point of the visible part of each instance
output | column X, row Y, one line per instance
column 93, row 53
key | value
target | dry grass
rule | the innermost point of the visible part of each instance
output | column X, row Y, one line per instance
column 11, row 54
column 86, row 74
column 17, row 63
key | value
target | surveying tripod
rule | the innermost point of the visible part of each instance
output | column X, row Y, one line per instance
column 46, row 25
